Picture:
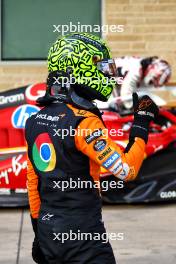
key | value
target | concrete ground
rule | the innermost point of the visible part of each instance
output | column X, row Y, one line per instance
column 149, row 234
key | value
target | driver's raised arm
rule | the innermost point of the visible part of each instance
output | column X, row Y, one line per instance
column 102, row 150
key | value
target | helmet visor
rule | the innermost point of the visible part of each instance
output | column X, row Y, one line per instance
column 108, row 67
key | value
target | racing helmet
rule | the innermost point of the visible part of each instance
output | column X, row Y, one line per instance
column 157, row 73
column 86, row 60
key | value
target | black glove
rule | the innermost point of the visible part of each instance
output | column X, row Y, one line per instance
column 37, row 254
column 145, row 111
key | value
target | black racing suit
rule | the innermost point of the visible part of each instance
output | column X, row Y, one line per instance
column 55, row 159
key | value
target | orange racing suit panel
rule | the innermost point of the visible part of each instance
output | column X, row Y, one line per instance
column 92, row 140
column 100, row 148
column 33, row 194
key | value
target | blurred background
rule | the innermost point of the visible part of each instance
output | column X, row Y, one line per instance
column 28, row 28
column 27, row 32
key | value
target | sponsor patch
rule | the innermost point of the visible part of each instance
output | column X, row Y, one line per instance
column 124, row 173
column 110, row 161
column 100, row 145
column 96, row 134
column 49, row 117
column 145, row 113
column 144, row 104
column 81, row 112
column 117, row 167
column 105, row 153
column 43, row 153
column 132, row 172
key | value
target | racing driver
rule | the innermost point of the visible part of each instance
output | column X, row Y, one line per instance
column 138, row 72
column 75, row 62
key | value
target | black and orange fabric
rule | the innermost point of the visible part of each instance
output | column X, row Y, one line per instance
column 80, row 154
column 33, row 193
column 67, row 145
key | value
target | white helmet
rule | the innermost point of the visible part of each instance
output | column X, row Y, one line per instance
column 157, row 73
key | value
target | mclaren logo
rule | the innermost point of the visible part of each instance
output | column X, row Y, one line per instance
column 49, row 118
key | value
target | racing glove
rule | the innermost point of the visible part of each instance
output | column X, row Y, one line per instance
column 145, row 111
column 37, row 254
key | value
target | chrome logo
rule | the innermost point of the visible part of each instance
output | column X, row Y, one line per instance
column 43, row 153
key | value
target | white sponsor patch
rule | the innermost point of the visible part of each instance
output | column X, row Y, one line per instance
column 49, row 118
column 124, row 173
column 146, row 113
column 111, row 160
column 117, row 167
